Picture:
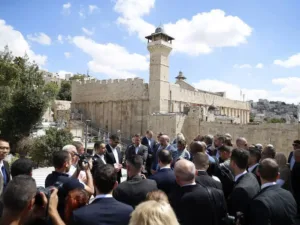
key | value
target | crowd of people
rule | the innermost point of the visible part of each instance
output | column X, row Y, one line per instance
column 210, row 181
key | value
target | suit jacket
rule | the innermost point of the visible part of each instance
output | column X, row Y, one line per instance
column 150, row 147
column 97, row 161
column 193, row 205
column 207, row 181
column 133, row 191
column 272, row 205
column 7, row 170
column 173, row 151
column 143, row 152
column 254, row 171
column 110, row 159
column 246, row 187
column 165, row 179
column 103, row 211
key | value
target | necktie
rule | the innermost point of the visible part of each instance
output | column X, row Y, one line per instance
column 4, row 175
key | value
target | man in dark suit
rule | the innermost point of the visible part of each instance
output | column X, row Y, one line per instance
column 246, row 185
column 138, row 149
column 99, row 157
column 150, row 143
column 104, row 209
column 135, row 189
column 5, row 171
column 165, row 177
column 114, row 156
column 201, row 162
column 193, row 203
column 253, row 162
column 291, row 158
column 272, row 205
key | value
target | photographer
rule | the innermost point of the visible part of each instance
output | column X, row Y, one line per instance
column 19, row 204
column 62, row 162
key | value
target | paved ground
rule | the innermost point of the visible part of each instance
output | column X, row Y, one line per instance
column 40, row 175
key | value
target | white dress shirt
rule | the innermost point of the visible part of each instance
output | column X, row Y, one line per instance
column 100, row 196
column 1, row 164
column 137, row 149
column 149, row 142
column 238, row 176
column 102, row 158
column 189, row 184
column 292, row 162
column 250, row 169
column 267, row 185
column 116, row 155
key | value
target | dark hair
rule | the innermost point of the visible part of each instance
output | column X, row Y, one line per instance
column 268, row 169
column 136, row 162
column 225, row 148
column 114, row 138
column 137, row 135
column 59, row 158
column 21, row 166
column 221, row 138
column 76, row 198
column 196, row 146
column 228, row 142
column 165, row 156
column 77, row 145
column 3, row 139
column 105, row 178
column 208, row 139
column 97, row 144
column 201, row 160
column 181, row 142
column 254, row 151
column 240, row 157
column 18, row 193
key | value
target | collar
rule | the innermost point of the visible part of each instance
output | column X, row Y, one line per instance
column 136, row 177
column 192, row 184
column 165, row 167
column 250, row 169
column 267, row 185
column 101, row 197
column 60, row 174
column 137, row 146
column 113, row 148
column 201, row 172
column 240, row 175
column 1, row 163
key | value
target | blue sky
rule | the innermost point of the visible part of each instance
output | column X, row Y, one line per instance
column 218, row 44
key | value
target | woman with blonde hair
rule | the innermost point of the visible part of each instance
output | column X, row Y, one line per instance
column 153, row 213
column 285, row 174
column 157, row 195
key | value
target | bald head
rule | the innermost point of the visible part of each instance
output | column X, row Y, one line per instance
column 241, row 143
column 164, row 140
column 185, row 172
column 268, row 170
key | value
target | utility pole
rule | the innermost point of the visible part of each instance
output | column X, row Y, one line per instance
column 86, row 134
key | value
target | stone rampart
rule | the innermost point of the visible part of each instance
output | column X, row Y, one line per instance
column 182, row 95
column 109, row 90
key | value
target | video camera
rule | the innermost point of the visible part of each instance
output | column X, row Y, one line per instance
column 84, row 159
column 47, row 191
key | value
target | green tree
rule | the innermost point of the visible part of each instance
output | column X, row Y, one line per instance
column 43, row 147
column 65, row 91
column 51, row 90
column 78, row 76
column 22, row 99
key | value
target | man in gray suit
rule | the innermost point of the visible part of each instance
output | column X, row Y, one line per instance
column 138, row 149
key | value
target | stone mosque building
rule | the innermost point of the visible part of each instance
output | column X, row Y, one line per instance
column 132, row 106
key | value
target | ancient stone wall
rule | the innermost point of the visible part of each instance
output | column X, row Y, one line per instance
column 279, row 135
column 109, row 90
column 129, row 117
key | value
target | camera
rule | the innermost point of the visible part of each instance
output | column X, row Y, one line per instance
column 231, row 220
column 47, row 191
column 83, row 159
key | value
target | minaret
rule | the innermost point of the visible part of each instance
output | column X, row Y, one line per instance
column 159, row 46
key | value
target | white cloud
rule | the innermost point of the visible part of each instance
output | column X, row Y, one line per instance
column 199, row 35
column 60, row 39
column 67, row 54
column 259, row 66
column 243, row 66
column 67, row 8
column 288, row 92
column 40, row 38
column 82, row 12
column 17, row 43
column 292, row 61
column 62, row 73
column 93, row 8
column 87, row 31
column 111, row 59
